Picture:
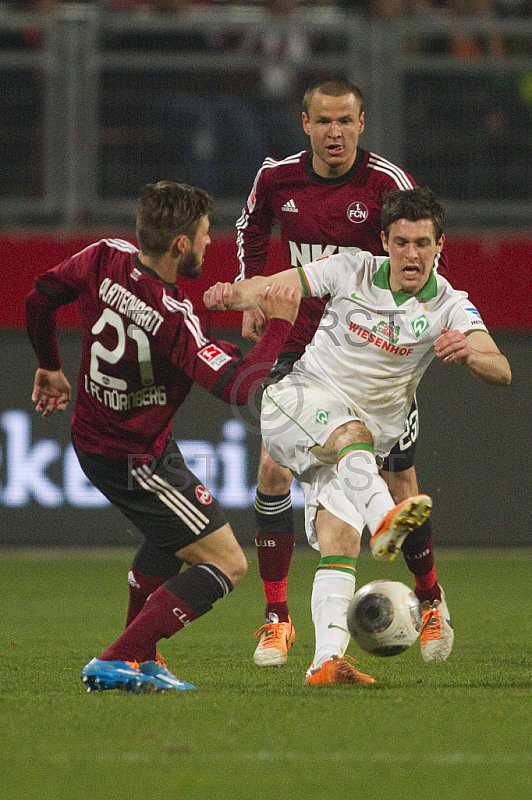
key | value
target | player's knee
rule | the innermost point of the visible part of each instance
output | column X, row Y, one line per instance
column 238, row 567
column 273, row 479
column 233, row 564
column 350, row 433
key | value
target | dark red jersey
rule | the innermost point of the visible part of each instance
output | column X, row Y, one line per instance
column 143, row 347
column 318, row 217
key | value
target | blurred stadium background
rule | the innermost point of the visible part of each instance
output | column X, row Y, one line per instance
column 97, row 99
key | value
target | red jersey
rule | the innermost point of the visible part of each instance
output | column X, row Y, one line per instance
column 143, row 347
column 318, row 217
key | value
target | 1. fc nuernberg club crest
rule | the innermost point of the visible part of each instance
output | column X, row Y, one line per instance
column 203, row 495
column 357, row 212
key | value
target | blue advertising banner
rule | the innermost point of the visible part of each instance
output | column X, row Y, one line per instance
column 472, row 457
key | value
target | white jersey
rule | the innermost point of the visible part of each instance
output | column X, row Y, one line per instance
column 373, row 345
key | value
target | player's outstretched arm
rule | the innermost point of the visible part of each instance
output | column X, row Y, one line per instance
column 281, row 302
column 280, row 305
column 51, row 391
column 478, row 352
column 243, row 295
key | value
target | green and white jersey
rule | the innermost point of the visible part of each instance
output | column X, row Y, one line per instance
column 373, row 344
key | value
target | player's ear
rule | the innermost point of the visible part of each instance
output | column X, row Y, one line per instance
column 440, row 242
column 180, row 245
column 361, row 122
column 384, row 240
column 305, row 121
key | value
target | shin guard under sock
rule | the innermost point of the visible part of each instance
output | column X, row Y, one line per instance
column 151, row 567
column 275, row 541
column 177, row 603
column 362, row 484
column 334, row 586
column 418, row 554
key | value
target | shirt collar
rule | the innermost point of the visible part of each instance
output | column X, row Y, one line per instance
column 382, row 280
column 309, row 169
column 148, row 271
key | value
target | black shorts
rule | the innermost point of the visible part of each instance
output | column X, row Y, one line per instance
column 403, row 453
column 162, row 498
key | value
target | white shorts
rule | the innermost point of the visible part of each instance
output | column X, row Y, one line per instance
column 296, row 416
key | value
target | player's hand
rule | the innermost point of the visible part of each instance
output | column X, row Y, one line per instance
column 51, row 391
column 280, row 301
column 452, row 346
column 219, row 297
column 253, row 324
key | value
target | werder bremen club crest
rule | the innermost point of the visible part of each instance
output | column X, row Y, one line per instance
column 419, row 325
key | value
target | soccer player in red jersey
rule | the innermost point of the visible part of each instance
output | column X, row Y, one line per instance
column 326, row 200
column 143, row 348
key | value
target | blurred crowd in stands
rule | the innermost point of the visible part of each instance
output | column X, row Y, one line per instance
column 379, row 9
column 266, row 104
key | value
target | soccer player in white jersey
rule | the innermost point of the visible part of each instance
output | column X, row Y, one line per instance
column 326, row 200
column 345, row 403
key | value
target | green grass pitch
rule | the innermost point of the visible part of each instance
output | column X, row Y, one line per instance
column 450, row 731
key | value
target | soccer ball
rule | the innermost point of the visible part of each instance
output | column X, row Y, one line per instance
column 384, row 618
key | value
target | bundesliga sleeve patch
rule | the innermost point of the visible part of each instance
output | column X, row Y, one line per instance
column 214, row 356
column 474, row 317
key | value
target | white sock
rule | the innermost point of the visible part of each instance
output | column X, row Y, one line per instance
column 359, row 478
column 331, row 594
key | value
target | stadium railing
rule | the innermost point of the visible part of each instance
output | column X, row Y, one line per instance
column 94, row 104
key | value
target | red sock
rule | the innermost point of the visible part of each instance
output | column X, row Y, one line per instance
column 275, row 541
column 140, row 588
column 162, row 615
column 419, row 558
column 274, row 555
column 180, row 600
column 151, row 567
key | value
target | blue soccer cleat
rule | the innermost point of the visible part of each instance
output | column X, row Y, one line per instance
column 158, row 671
column 99, row 675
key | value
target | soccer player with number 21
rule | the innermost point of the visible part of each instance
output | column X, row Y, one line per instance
column 143, row 348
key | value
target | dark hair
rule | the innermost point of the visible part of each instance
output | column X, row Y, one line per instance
column 334, row 87
column 413, row 205
column 167, row 209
